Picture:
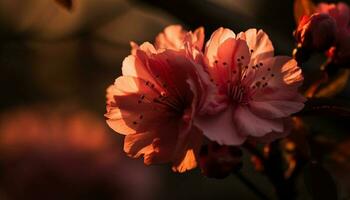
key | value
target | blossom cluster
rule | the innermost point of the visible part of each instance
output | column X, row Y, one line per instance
column 180, row 94
column 326, row 29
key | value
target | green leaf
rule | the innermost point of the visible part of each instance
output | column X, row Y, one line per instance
column 319, row 182
column 303, row 7
column 334, row 86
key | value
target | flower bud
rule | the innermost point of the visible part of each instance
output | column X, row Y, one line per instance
column 219, row 161
column 316, row 33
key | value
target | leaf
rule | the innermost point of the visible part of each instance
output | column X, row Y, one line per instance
column 326, row 106
column 319, row 182
column 336, row 85
column 67, row 4
column 303, row 7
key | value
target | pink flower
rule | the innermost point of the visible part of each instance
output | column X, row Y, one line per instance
column 174, row 37
column 257, row 91
column 154, row 103
column 309, row 29
column 340, row 12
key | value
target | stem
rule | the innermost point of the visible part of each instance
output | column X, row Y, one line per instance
column 251, row 186
column 273, row 169
column 285, row 189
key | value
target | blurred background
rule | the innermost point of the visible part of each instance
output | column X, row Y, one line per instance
column 55, row 65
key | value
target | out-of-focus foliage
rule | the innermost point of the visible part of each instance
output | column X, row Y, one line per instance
column 335, row 86
column 65, row 153
column 67, row 4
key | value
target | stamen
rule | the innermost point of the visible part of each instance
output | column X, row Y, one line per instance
column 258, row 83
column 237, row 93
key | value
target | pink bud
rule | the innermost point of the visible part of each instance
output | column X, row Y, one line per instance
column 316, row 33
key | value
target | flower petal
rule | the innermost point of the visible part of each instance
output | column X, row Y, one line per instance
column 231, row 59
column 251, row 125
column 187, row 150
column 198, row 37
column 272, row 136
column 216, row 39
column 136, row 66
column 278, row 74
column 130, row 107
column 171, row 38
column 259, row 43
column 275, row 109
column 156, row 146
column 220, row 128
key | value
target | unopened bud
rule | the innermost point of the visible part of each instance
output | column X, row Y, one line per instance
column 316, row 33
column 219, row 161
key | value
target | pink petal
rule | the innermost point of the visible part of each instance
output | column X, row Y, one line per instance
column 272, row 94
column 216, row 39
column 343, row 14
column 138, row 144
column 231, row 59
column 136, row 66
column 187, row 150
column 220, row 128
column 259, row 43
column 340, row 12
column 279, row 73
column 171, row 38
column 272, row 136
column 275, row 109
column 233, row 56
column 131, row 108
column 199, row 38
column 156, row 146
column 250, row 124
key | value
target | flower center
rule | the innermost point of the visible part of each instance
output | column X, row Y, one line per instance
column 237, row 93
